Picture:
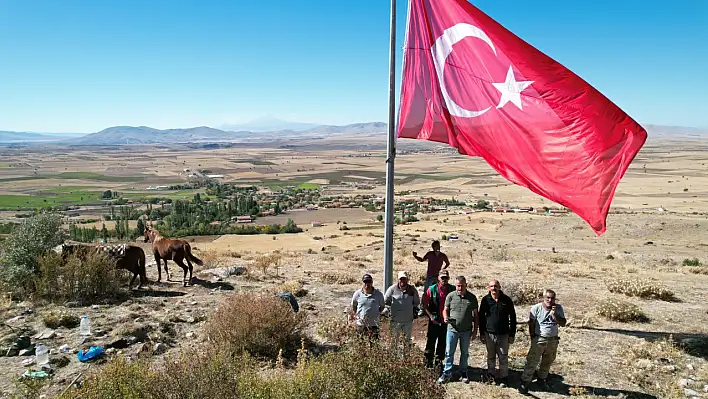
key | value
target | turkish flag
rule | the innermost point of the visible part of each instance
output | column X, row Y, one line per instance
column 471, row 83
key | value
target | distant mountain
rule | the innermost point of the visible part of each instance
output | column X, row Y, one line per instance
column 124, row 135
column 7, row 137
column 675, row 132
column 268, row 124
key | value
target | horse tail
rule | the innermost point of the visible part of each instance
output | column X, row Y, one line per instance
column 192, row 258
column 141, row 265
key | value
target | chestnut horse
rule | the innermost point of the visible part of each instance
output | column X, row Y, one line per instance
column 171, row 249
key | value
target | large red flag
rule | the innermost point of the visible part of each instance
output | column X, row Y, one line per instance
column 471, row 83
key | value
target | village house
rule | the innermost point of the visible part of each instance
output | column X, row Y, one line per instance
column 244, row 219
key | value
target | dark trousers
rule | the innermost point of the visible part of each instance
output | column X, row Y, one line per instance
column 437, row 333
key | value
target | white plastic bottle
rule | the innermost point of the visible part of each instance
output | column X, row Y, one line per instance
column 85, row 326
column 41, row 354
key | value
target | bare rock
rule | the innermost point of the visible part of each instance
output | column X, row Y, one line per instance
column 46, row 334
column 159, row 349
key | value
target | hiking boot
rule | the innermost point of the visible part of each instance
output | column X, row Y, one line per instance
column 503, row 382
column 444, row 378
column 543, row 384
column 490, row 379
column 524, row 388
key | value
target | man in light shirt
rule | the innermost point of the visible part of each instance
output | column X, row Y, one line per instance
column 544, row 319
column 367, row 304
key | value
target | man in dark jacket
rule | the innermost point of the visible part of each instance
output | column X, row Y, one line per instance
column 433, row 303
column 497, row 328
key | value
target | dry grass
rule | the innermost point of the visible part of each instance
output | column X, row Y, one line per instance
column 522, row 293
column 259, row 325
column 651, row 365
column 337, row 278
column 265, row 262
column 210, row 258
column 294, row 287
column 81, row 280
column 619, row 310
column 60, row 318
column 699, row 270
column 643, row 288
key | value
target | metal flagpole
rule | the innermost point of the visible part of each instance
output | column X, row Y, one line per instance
column 391, row 148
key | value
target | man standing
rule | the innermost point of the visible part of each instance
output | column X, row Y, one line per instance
column 544, row 319
column 367, row 304
column 433, row 305
column 435, row 260
column 403, row 300
column 460, row 314
column 497, row 329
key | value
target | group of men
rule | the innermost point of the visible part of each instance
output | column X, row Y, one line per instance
column 456, row 317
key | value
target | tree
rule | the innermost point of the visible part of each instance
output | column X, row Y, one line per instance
column 104, row 233
column 379, row 218
column 108, row 194
column 140, row 228
column 33, row 238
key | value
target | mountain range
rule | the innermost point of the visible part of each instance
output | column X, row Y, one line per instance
column 126, row 135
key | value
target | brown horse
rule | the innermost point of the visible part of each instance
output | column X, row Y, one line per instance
column 171, row 248
column 126, row 257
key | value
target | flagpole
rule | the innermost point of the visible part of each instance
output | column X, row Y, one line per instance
column 391, row 149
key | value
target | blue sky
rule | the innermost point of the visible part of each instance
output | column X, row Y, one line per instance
column 81, row 66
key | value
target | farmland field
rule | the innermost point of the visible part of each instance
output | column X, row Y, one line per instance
column 656, row 227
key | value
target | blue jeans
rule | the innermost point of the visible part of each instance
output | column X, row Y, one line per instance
column 430, row 281
column 452, row 338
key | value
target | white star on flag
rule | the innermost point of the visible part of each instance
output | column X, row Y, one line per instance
column 511, row 89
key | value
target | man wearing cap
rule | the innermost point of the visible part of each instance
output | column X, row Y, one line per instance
column 403, row 300
column 433, row 304
column 367, row 304
column 497, row 329
column 460, row 314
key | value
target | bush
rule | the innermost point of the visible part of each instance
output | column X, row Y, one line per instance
column 260, row 325
column 264, row 262
column 56, row 319
column 118, row 379
column 34, row 237
column 80, row 280
column 294, row 287
column 523, row 293
column 691, row 262
column 640, row 288
column 337, row 278
column 354, row 372
column 622, row 311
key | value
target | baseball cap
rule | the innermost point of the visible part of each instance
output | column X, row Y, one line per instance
column 367, row 277
column 444, row 273
column 402, row 274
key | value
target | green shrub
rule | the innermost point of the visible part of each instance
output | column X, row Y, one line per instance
column 691, row 262
column 34, row 237
column 354, row 372
column 119, row 379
